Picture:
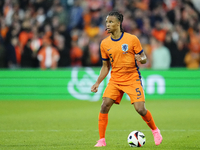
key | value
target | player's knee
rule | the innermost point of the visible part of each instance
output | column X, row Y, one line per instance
column 141, row 111
column 105, row 107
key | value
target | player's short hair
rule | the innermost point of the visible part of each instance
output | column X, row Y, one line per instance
column 119, row 16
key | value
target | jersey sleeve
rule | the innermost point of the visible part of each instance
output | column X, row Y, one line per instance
column 104, row 56
column 137, row 46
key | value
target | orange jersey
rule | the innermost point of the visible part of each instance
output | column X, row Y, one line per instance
column 121, row 53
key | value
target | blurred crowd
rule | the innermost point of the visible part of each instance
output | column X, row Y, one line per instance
column 67, row 33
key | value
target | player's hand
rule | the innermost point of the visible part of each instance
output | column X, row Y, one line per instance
column 138, row 57
column 141, row 58
column 94, row 88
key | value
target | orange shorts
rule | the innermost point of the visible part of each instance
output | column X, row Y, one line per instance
column 115, row 91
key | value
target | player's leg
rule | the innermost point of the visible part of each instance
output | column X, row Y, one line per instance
column 136, row 95
column 103, row 120
column 103, row 116
column 145, row 114
column 111, row 95
column 147, row 117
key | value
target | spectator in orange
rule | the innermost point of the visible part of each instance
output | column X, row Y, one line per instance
column 192, row 60
column 25, row 35
column 141, row 4
column 194, row 44
column 158, row 32
column 48, row 55
column 3, row 28
column 94, row 51
column 92, row 30
column 76, row 55
column 87, row 17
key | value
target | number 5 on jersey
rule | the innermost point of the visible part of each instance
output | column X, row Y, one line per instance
column 111, row 58
column 138, row 91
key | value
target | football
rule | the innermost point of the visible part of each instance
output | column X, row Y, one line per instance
column 136, row 139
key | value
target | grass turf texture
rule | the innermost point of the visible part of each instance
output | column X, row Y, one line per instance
column 71, row 125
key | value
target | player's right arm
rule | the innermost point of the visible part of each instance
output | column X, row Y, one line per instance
column 103, row 73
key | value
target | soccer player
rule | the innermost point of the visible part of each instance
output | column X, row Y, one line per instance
column 122, row 50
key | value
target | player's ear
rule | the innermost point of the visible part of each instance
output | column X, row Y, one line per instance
column 118, row 23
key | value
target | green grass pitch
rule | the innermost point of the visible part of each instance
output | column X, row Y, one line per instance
column 73, row 125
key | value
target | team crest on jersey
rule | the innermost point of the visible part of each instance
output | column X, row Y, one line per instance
column 125, row 48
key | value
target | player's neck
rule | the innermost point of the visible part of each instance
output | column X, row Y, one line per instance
column 116, row 35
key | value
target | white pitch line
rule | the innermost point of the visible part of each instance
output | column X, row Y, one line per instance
column 172, row 130
column 40, row 130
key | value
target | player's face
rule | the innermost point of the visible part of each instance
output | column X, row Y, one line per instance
column 112, row 24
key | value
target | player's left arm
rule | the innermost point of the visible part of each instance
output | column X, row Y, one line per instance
column 141, row 57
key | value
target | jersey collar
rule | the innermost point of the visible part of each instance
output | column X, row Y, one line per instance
column 119, row 38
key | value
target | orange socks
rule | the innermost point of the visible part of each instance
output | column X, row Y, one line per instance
column 103, row 121
column 149, row 120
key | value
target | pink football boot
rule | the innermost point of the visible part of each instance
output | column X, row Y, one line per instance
column 101, row 142
column 157, row 136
